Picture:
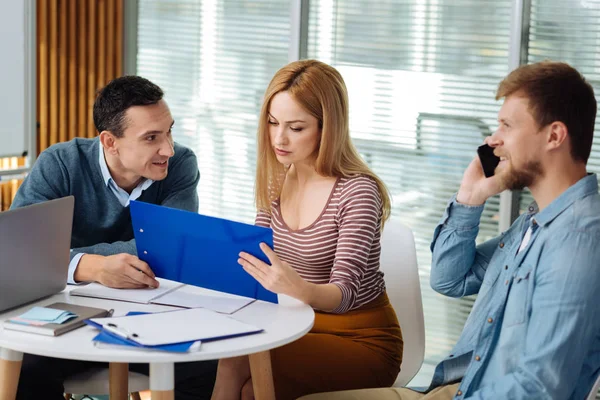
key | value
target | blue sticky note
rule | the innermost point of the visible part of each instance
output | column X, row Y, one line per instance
column 50, row 315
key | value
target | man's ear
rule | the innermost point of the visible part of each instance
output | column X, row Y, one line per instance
column 109, row 142
column 557, row 135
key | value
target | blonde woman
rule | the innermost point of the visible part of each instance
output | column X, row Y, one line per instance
column 326, row 209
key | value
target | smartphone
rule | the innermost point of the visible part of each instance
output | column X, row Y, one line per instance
column 489, row 161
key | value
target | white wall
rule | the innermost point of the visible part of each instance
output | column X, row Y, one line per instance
column 17, row 77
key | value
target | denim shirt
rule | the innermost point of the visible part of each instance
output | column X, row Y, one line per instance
column 534, row 330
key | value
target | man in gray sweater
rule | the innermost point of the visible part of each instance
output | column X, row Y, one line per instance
column 133, row 158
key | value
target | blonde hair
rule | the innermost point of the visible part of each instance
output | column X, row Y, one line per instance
column 320, row 90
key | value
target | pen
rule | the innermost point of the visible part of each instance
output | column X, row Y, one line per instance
column 114, row 329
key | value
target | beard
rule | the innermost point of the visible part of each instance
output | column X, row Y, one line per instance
column 518, row 179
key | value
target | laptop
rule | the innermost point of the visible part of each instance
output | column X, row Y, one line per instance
column 35, row 242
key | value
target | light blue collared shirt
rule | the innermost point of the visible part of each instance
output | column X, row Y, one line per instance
column 121, row 195
column 534, row 330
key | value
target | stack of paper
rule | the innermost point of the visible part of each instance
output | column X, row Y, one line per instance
column 39, row 316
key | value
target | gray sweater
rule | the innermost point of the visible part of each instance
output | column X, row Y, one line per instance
column 101, row 225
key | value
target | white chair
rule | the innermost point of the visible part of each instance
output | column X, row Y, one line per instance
column 399, row 264
column 594, row 391
column 96, row 382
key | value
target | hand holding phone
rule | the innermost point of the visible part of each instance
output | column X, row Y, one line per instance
column 475, row 187
column 488, row 160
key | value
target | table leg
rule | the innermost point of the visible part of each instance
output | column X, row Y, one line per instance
column 262, row 376
column 10, row 369
column 118, row 381
column 162, row 381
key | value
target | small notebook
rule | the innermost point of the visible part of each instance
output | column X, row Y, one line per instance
column 56, row 329
column 169, row 293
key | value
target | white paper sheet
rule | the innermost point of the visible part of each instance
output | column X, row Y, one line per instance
column 178, row 326
column 195, row 297
column 144, row 296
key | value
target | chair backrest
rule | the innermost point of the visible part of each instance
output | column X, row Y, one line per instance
column 593, row 393
column 399, row 264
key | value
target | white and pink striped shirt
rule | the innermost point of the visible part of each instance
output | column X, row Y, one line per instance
column 342, row 246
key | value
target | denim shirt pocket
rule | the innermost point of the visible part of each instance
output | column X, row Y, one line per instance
column 517, row 302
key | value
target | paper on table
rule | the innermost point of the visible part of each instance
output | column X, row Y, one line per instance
column 178, row 326
column 191, row 297
column 104, row 340
column 143, row 296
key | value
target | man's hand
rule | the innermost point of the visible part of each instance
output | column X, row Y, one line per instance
column 123, row 271
column 475, row 188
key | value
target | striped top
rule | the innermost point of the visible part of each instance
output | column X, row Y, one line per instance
column 342, row 246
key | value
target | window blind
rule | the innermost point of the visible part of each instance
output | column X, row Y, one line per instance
column 421, row 76
column 214, row 60
column 567, row 31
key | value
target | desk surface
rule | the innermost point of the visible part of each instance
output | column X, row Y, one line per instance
column 283, row 323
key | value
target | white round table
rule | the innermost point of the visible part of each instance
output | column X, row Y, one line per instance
column 282, row 323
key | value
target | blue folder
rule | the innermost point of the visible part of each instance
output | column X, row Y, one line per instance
column 199, row 250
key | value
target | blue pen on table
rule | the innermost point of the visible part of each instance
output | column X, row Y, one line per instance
column 114, row 329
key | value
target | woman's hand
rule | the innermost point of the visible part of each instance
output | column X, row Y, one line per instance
column 279, row 277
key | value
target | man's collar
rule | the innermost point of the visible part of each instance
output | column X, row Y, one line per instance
column 582, row 188
column 103, row 166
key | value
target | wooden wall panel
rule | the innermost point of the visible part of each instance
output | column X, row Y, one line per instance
column 81, row 68
column 63, row 57
column 92, row 49
column 43, row 73
column 53, row 70
column 72, row 85
column 78, row 42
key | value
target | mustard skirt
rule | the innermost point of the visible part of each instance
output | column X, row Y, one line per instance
column 356, row 350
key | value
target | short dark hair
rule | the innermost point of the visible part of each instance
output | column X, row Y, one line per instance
column 115, row 98
column 556, row 92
